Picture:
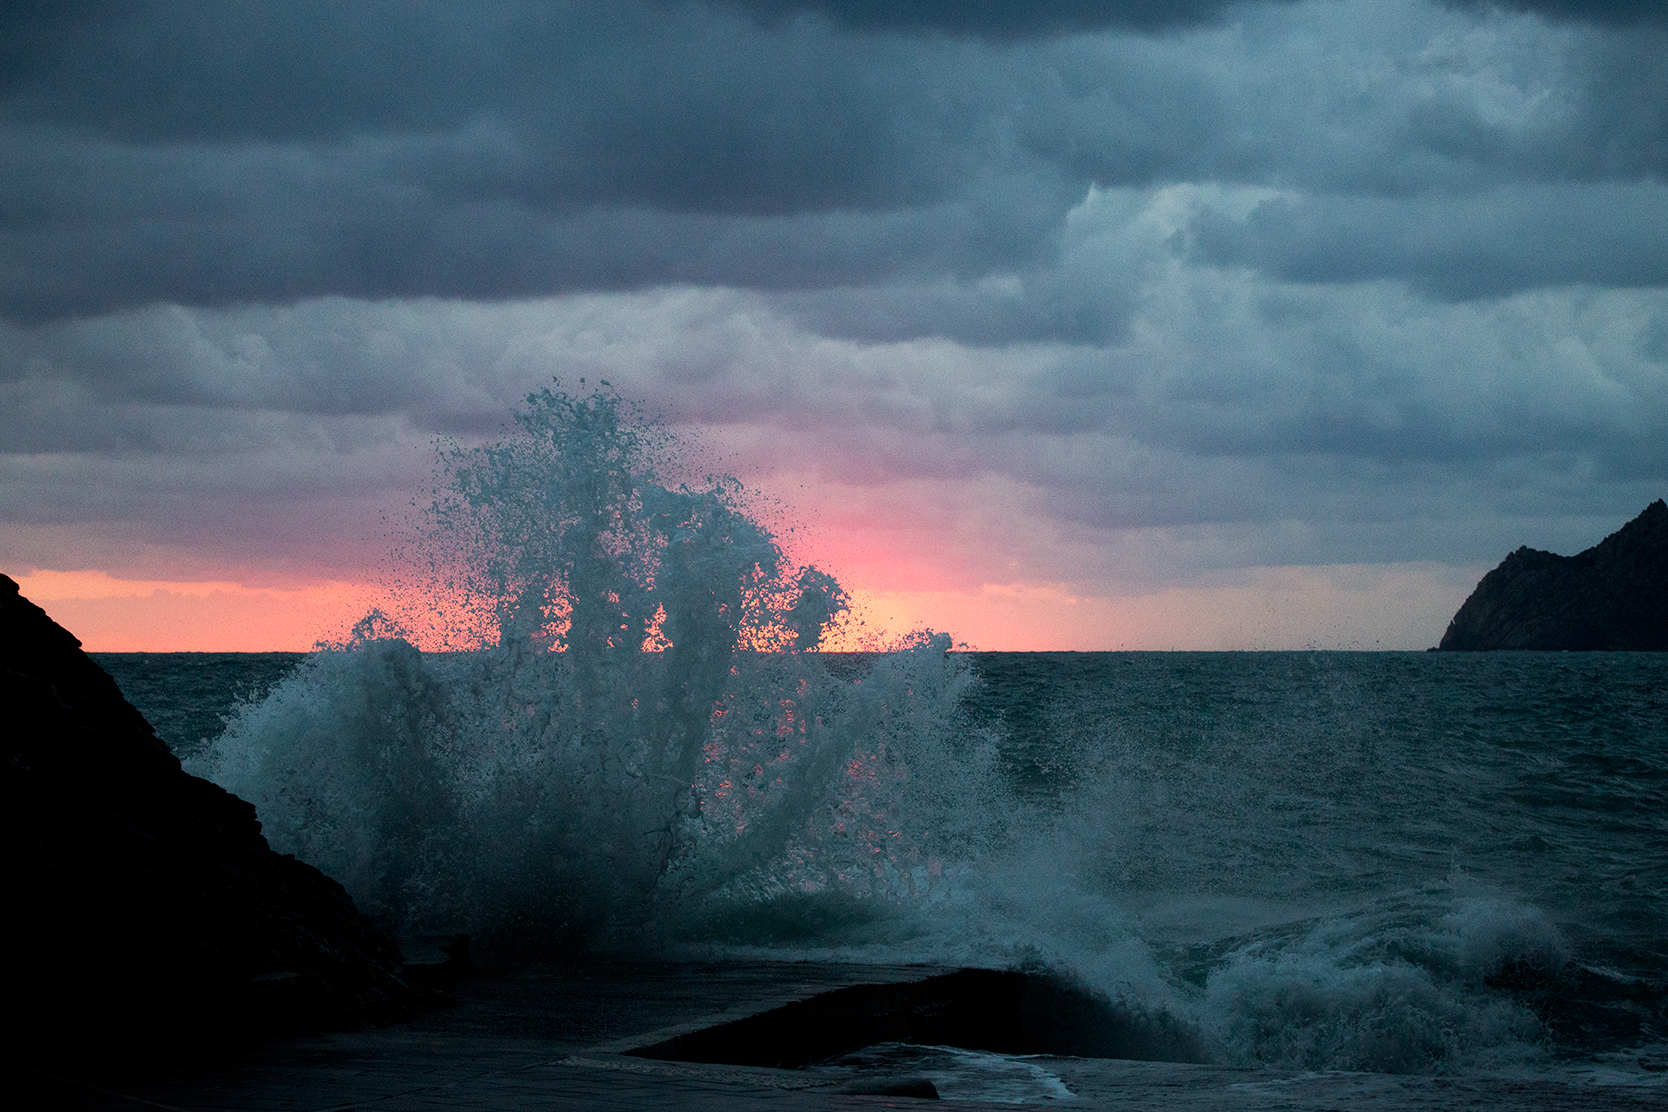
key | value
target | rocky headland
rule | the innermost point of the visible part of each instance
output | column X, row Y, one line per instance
column 1612, row 596
column 143, row 906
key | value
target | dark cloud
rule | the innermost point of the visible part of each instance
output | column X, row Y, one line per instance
column 546, row 106
column 318, row 69
column 206, row 242
column 1291, row 423
column 1490, row 244
column 1624, row 13
column 996, row 19
column 1273, row 283
column 177, row 69
column 1623, row 128
column 441, row 149
column 216, row 154
column 1042, row 307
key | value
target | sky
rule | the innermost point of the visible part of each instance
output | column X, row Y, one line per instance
column 1080, row 325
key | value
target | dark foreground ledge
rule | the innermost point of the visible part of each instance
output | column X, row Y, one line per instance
column 559, row 1038
column 143, row 907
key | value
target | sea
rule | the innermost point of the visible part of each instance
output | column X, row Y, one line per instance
column 1448, row 864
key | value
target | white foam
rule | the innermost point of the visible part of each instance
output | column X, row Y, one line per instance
column 606, row 793
column 731, row 793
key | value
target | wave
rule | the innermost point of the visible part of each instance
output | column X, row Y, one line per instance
column 644, row 752
column 649, row 736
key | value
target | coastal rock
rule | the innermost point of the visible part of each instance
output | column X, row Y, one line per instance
column 144, row 907
column 1612, row 596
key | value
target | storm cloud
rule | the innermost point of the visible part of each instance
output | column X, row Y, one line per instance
column 217, row 154
column 1116, row 293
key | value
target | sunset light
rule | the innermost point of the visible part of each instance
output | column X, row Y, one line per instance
column 693, row 554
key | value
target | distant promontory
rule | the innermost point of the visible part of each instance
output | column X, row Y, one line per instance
column 1612, row 596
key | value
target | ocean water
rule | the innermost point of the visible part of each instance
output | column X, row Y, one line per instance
column 1402, row 862
column 188, row 697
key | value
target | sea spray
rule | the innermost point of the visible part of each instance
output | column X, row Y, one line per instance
column 1315, row 861
column 1308, row 861
column 646, row 743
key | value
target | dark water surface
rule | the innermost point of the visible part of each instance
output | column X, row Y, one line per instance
column 187, row 697
column 1400, row 862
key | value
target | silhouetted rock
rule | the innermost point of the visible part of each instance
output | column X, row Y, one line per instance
column 142, row 905
column 1004, row 1011
column 1612, row 596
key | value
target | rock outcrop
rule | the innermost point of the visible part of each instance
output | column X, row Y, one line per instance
column 143, row 907
column 1612, row 596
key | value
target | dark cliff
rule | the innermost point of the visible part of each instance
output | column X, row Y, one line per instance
column 143, row 906
column 1612, row 596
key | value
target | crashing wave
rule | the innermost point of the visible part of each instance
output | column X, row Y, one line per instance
column 648, row 732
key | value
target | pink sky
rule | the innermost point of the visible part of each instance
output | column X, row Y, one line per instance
column 1282, row 608
column 1050, row 334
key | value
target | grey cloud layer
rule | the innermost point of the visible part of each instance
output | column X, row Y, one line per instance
column 996, row 19
column 1488, row 244
column 219, row 154
column 1358, row 416
column 1250, row 283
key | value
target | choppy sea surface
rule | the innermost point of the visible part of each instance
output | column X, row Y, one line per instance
column 1398, row 862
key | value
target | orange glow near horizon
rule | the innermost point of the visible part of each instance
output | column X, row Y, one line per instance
column 1334, row 607
column 125, row 615
column 1364, row 607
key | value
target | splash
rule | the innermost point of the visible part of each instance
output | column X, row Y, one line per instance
column 644, row 748
column 648, row 740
